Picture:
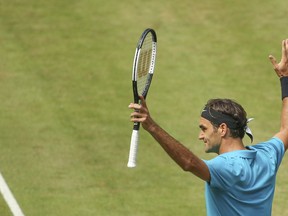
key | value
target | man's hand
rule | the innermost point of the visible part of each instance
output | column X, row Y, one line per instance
column 281, row 68
column 141, row 114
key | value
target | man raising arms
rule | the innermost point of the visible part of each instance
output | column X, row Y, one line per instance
column 240, row 180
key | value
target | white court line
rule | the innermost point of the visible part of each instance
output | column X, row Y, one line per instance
column 9, row 198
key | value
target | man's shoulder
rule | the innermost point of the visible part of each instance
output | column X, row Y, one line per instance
column 272, row 144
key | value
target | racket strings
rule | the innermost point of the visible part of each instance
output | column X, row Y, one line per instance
column 144, row 64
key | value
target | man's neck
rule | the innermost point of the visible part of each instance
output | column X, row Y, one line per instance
column 230, row 144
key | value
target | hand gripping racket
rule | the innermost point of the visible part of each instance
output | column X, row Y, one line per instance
column 142, row 73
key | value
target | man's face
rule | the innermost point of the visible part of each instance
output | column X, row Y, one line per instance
column 210, row 136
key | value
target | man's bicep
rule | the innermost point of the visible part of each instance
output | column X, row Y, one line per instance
column 283, row 136
column 202, row 171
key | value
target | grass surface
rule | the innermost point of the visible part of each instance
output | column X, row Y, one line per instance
column 65, row 69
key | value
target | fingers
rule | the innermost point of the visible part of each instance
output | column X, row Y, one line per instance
column 134, row 106
column 141, row 111
column 281, row 68
column 275, row 64
column 137, row 117
column 284, row 54
column 138, row 106
column 285, row 50
column 273, row 61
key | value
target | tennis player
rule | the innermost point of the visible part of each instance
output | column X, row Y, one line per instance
column 240, row 180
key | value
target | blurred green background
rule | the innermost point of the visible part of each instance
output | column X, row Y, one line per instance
column 65, row 85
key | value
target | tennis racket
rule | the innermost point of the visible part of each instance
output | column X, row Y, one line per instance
column 142, row 73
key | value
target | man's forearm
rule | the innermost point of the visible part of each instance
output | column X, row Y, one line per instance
column 283, row 133
column 179, row 153
column 284, row 121
column 284, row 115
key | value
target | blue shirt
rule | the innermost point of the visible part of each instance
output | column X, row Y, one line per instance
column 243, row 182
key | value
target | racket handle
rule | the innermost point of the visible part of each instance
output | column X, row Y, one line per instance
column 133, row 149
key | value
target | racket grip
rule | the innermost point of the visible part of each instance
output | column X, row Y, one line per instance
column 133, row 149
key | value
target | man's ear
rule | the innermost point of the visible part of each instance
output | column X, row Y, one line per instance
column 223, row 129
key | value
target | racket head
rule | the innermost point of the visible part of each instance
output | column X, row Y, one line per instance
column 144, row 63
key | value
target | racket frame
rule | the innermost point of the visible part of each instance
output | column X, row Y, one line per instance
column 136, row 125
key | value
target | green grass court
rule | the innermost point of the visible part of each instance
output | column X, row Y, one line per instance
column 65, row 70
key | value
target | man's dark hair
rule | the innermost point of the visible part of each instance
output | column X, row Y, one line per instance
column 233, row 109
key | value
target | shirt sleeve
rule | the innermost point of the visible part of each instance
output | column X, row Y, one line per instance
column 275, row 148
column 224, row 172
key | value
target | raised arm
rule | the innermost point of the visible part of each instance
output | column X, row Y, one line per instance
column 187, row 160
column 281, row 70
